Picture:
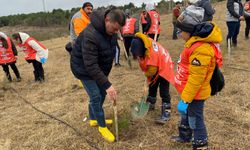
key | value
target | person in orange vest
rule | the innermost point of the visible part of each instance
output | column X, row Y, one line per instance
column 80, row 21
column 194, row 71
column 143, row 20
column 129, row 30
column 35, row 53
column 156, row 63
column 8, row 54
column 153, row 22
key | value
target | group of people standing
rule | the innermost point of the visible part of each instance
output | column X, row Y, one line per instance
column 95, row 48
column 35, row 53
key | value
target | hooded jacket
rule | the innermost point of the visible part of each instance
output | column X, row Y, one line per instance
column 194, row 71
column 33, row 49
column 94, row 51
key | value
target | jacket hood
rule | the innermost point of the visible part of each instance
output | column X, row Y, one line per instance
column 97, row 20
column 23, row 36
column 205, row 32
column 3, row 35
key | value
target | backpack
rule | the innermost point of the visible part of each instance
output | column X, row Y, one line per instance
column 217, row 81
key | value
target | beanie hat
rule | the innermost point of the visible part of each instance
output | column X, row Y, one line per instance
column 137, row 47
column 189, row 18
column 86, row 4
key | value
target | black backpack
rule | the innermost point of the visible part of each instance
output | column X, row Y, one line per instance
column 217, row 81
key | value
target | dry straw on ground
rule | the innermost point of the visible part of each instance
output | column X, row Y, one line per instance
column 23, row 127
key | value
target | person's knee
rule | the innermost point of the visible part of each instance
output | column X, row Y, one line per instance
column 192, row 122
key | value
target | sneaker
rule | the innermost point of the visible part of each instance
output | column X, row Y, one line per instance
column 18, row 79
column 106, row 134
column 94, row 123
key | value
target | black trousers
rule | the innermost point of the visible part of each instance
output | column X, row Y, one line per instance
column 38, row 70
column 152, row 36
column 14, row 68
column 164, row 90
column 247, row 27
column 143, row 27
column 127, row 43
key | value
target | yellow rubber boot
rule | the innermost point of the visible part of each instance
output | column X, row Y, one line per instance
column 94, row 123
column 106, row 134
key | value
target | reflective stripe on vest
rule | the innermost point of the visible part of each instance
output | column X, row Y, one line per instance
column 129, row 27
column 155, row 19
column 7, row 55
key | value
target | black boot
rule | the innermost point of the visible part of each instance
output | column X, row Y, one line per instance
column 185, row 135
column 200, row 145
column 165, row 113
column 9, row 77
column 151, row 101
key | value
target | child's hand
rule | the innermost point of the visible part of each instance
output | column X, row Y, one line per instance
column 182, row 107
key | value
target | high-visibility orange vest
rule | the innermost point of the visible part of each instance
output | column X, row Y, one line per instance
column 143, row 20
column 160, row 58
column 155, row 19
column 30, row 53
column 129, row 27
column 7, row 55
column 181, row 77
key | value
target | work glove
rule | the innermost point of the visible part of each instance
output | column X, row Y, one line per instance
column 43, row 60
column 182, row 107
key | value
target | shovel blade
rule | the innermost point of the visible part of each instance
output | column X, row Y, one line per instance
column 139, row 110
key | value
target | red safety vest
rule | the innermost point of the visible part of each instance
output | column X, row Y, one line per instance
column 183, row 65
column 160, row 58
column 129, row 27
column 155, row 19
column 7, row 55
column 143, row 20
column 30, row 53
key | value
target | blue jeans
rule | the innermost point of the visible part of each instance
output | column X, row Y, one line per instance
column 195, row 120
column 97, row 96
column 233, row 31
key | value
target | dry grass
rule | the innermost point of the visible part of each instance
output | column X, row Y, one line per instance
column 22, row 127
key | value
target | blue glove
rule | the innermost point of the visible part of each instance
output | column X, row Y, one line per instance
column 182, row 107
column 43, row 60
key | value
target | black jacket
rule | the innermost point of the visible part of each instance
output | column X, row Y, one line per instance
column 94, row 51
column 230, row 7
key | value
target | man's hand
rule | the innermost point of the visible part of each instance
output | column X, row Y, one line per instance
column 242, row 18
column 111, row 92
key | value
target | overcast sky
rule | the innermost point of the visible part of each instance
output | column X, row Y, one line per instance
column 9, row 7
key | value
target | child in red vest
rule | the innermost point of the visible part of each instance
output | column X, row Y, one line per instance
column 194, row 71
column 157, row 66
column 35, row 53
column 8, row 55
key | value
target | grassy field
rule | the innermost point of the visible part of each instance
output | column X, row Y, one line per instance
column 28, row 110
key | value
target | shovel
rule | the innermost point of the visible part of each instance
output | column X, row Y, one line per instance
column 116, row 120
column 140, row 109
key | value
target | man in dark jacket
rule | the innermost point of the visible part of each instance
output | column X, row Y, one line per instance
column 91, row 62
